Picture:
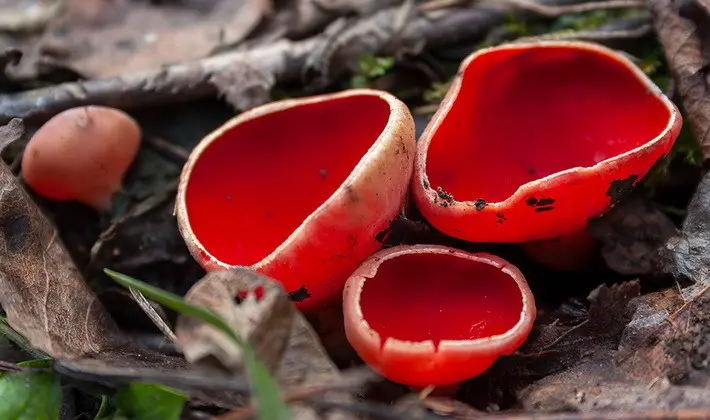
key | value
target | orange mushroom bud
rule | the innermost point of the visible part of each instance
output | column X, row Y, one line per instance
column 434, row 315
column 81, row 154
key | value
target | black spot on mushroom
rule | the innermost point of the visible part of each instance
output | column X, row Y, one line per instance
column 619, row 188
column 16, row 231
column 299, row 295
column 480, row 204
column 351, row 193
column 540, row 204
column 500, row 218
column 445, row 197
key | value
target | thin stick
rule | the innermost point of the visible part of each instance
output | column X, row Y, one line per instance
column 565, row 334
column 171, row 150
column 154, row 316
column 432, row 5
column 11, row 367
column 347, row 381
column 690, row 301
column 593, row 35
column 554, row 11
column 285, row 61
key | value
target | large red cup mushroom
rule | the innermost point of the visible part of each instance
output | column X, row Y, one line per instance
column 433, row 315
column 299, row 189
column 534, row 139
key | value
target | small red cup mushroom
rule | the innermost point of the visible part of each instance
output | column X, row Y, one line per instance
column 299, row 189
column 425, row 315
column 82, row 154
column 534, row 139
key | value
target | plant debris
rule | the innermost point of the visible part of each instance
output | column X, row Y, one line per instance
column 632, row 234
column 256, row 308
column 682, row 31
column 42, row 292
column 625, row 338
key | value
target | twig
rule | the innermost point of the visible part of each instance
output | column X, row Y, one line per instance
column 554, row 11
column 150, row 311
column 432, row 5
column 140, row 208
column 172, row 150
column 690, row 301
column 185, row 81
column 11, row 367
column 594, row 35
column 606, row 415
column 565, row 334
column 347, row 381
column 284, row 60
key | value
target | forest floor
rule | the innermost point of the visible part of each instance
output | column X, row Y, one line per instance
column 625, row 337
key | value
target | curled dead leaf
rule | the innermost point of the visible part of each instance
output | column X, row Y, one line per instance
column 682, row 29
column 110, row 38
column 281, row 336
column 255, row 307
column 631, row 235
column 41, row 290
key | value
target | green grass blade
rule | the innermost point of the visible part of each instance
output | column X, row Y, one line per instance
column 265, row 390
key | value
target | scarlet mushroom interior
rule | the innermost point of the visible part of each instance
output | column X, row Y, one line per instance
column 523, row 114
column 419, row 297
column 252, row 187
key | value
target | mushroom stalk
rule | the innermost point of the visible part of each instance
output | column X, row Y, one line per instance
column 568, row 252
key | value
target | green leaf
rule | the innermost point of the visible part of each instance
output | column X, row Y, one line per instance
column 45, row 363
column 144, row 401
column 18, row 339
column 102, row 408
column 267, row 397
column 30, row 395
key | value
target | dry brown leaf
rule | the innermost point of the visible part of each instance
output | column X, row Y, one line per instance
column 662, row 362
column 103, row 38
column 280, row 335
column 601, row 330
column 41, row 290
column 682, row 28
column 597, row 386
column 13, row 131
column 27, row 15
column 631, row 235
column 256, row 308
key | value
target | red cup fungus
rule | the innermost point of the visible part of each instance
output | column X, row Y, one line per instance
column 299, row 189
column 82, row 154
column 433, row 315
column 534, row 139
